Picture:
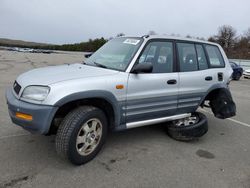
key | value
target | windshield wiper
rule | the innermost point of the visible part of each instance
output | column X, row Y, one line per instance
column 100, row 65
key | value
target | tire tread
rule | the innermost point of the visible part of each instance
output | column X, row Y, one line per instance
column 67, row 127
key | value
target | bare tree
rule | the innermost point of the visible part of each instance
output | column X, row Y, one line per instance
column 247, row 34
column 212, row 39
column 226, row 37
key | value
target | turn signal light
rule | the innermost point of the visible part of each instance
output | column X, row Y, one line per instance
column 24, row 116
column 119, row 86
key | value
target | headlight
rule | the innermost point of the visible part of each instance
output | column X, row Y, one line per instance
column 37, row 93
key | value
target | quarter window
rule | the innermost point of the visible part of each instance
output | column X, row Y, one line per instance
column 187, row 57
column 160, row 54
column 201, row 57
column 215, row 57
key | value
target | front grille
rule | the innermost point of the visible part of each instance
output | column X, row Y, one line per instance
column 16, row 87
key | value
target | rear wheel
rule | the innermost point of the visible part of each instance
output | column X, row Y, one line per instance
column 82, row 134
column 189, row 128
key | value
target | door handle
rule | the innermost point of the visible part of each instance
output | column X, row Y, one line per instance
column 220, row 76
column 209, row 78
column 171, row 82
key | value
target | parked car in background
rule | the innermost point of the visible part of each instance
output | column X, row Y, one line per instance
column 246, row 73
column 237, row 71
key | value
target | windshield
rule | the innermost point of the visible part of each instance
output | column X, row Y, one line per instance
column 115, row 54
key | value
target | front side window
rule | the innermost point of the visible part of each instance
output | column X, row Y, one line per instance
column 187, row 57
column 215, row 57
column 160, row 55
column 115, row 54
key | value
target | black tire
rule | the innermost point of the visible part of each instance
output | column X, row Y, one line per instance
column 188, row 132
column 237, row 76
column 66, row 138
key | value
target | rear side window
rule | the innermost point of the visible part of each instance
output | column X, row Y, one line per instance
column 187, row 57
column 202, row 60
column 215, row 57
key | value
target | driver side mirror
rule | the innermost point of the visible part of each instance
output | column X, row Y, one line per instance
column 87, row 55
column 142, row 68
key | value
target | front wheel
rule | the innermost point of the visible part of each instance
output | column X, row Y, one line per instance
column 81, row 134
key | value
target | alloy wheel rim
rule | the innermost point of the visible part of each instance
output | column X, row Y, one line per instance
column 191, row 120
column 89, row 136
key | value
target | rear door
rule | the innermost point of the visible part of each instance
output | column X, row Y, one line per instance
column 153, row 95
column 195, row 77
column 216, row 63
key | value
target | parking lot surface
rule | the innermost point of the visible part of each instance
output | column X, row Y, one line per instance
column 141, row 157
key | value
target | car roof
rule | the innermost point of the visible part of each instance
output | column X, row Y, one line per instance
column 148, row 37
column 179, row 38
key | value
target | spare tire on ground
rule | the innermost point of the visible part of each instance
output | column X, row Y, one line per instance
column 189, row 128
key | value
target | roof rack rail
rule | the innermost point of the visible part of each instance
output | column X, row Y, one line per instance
column 145, row 36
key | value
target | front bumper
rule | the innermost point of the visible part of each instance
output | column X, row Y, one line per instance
column 42, row 114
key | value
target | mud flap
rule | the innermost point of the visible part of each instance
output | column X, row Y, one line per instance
column 222, row 104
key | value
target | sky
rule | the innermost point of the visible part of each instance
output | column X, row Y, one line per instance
column 72, row 21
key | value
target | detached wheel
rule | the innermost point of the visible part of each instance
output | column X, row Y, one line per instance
column 189, row 128
column 81, row 134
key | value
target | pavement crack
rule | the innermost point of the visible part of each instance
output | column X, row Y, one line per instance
column 105, row 165
column 13, row 182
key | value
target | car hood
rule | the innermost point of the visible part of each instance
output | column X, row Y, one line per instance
column 54, row 74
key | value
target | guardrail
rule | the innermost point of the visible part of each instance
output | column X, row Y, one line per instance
column 245, row 64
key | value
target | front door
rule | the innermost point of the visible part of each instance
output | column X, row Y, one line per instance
column 153, row 95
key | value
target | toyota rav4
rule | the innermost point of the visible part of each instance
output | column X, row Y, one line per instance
column 129, row 82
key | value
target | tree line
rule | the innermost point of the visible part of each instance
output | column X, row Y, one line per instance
column 89, row 46
column 236, row 46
